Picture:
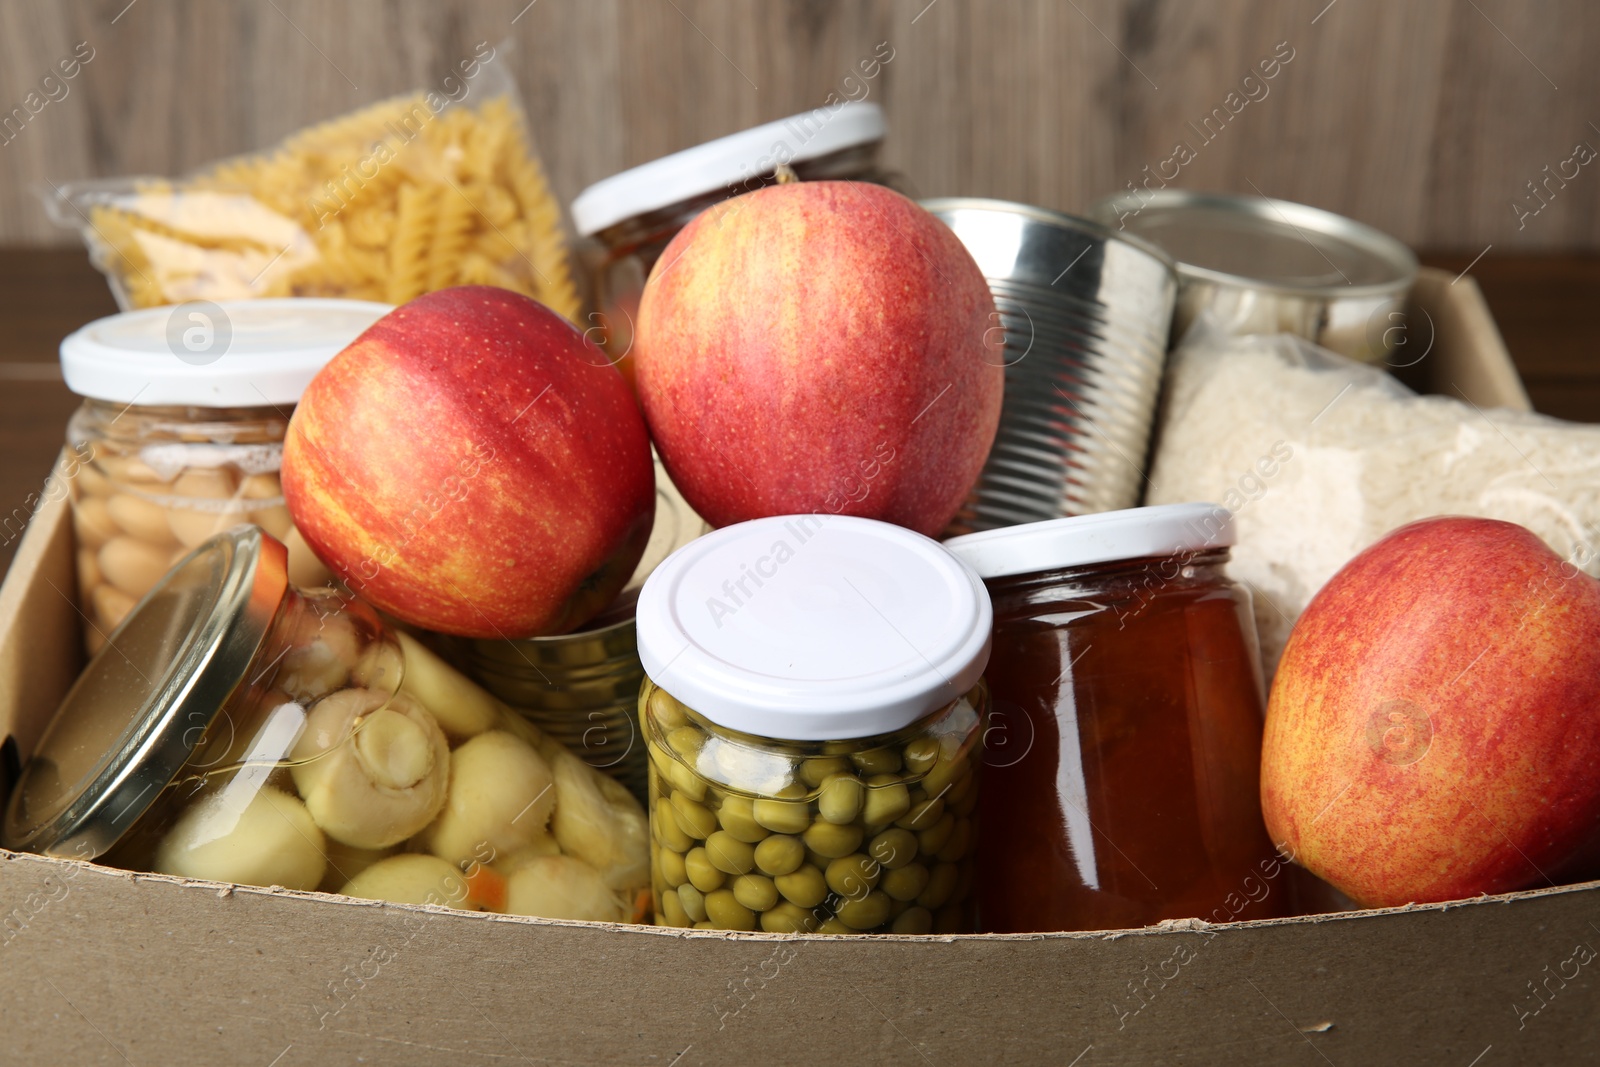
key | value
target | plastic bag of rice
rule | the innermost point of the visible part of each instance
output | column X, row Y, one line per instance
column 1317, row 457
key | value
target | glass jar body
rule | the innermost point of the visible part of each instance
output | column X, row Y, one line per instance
column 874, row 835
column 353, row 759
column 150, row 483
column 1125, row 748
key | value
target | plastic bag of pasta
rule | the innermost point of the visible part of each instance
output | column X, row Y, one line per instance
column 438, row 188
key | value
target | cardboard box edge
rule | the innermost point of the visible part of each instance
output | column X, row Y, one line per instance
column 42, row 572
column 224, row 890
column 1459, row 323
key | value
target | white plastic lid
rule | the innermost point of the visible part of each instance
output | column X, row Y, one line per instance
column 236, row 353
column 1137, row 533
column 814, row 627
column 718, row 164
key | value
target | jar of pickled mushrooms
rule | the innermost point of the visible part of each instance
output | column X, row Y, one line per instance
column 812, row 711
column 237, row 729
column 180, row 434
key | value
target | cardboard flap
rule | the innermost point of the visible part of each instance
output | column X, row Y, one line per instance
column 1460, row 336
column 174, row 973
column 41, row 643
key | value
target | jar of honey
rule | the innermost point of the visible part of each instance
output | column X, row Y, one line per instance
column 1121, row 785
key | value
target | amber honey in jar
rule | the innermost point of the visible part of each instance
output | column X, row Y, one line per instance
column 180, row 435
column 813, row 714
column 1121, row 782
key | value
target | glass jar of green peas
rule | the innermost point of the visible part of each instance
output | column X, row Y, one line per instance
column 812, row 713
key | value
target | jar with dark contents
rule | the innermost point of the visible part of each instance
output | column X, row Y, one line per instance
column 625, row 221
column 813, row 737
column 1125, row 746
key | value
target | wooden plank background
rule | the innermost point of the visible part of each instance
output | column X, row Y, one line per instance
column 1427, row 118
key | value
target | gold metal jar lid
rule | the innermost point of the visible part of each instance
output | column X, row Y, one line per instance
column 134, row 717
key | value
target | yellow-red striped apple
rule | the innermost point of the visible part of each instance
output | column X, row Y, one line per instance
column 471, row 464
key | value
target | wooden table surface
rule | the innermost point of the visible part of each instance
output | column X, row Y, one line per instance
column 1544, row 304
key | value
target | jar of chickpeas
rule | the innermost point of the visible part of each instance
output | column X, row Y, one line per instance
column 181, row 433
column 812, row 710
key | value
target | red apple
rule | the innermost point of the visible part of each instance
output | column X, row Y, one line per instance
column 1434, row 726
column 820, row 347
column 471, row 464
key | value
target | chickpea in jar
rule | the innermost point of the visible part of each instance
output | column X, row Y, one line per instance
column 180, row 435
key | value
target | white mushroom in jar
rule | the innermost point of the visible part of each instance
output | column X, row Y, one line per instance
column 346, row 862
column 371, row 777
column 518, row 726
column 511, row 863
column 563, row 887
column 411, row 878
column 269, row 839
column 463, row 709
column 598, row 820
column 381, row 666
column 320, row 660
column 501, row 795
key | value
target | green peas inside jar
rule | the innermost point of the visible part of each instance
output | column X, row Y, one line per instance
column 770, row 851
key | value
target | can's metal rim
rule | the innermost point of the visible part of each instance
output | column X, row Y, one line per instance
column 580, row 635
column 1059, row 219
column 1374, row 241
column 497, row 648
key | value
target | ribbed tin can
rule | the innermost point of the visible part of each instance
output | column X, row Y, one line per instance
column 1086, row 313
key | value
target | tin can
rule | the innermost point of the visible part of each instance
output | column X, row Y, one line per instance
column 1258, row 265
column 1086, row 313
column 580, row 688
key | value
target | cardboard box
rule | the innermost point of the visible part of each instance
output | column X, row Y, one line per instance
column 104, row 966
